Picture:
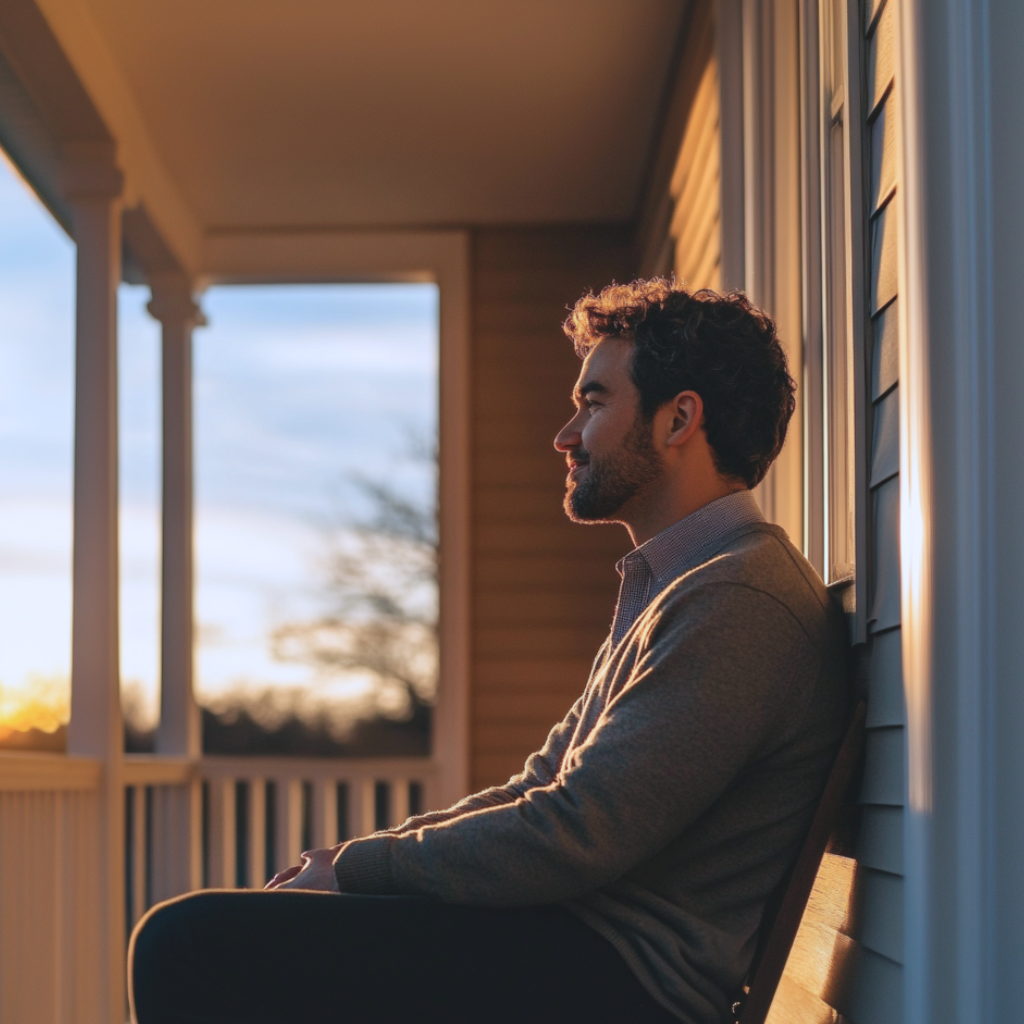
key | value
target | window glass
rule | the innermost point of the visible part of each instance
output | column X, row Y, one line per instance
column 838, row 350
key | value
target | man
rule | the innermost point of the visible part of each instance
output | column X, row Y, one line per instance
column 622, row 875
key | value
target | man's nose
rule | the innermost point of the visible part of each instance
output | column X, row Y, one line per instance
column 568, row 437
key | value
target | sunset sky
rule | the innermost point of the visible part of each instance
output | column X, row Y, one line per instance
column 296, row 388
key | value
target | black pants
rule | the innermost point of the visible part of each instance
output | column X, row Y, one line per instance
column 302, row 957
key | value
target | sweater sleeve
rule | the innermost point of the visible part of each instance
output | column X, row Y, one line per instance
column 541, row 769
column 692, row 708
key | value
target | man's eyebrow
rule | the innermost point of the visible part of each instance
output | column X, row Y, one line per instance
column 591, row 387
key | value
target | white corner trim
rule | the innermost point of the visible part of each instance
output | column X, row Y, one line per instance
column 915, row 567
column 947, row 479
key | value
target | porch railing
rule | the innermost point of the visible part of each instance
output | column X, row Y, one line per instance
column 256, row 815
column 216, row 821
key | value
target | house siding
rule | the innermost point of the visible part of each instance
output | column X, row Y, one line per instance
column 847, row 961
column 875, row 996
column 696, row 184
column 542, row 589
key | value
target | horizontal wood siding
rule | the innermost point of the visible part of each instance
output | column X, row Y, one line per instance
column 696, row 227
column 875, row 994
column 846, row 964
column 543, row 589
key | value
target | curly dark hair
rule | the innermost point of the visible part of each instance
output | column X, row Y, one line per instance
column 720, row 346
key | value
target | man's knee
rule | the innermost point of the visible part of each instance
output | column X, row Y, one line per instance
column 164, row 927
column 165, row 946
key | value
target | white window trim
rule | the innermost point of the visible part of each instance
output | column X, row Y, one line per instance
column 771, row 230
column 442, row 257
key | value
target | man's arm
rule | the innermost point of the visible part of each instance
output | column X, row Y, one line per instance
column 541, row 769
column 695, row 709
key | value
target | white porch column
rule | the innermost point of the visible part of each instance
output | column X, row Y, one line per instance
column 173, row 305
column 962, row 489
column 178, row 821
column 92, row 185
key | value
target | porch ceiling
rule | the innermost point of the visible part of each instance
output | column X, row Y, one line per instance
column 397, row 112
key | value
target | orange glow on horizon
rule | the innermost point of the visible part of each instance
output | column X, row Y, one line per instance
column 41, row 702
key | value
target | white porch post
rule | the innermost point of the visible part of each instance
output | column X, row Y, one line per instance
column 178, row 313
column 178, row 733
column 92, row 185
column 962, row 489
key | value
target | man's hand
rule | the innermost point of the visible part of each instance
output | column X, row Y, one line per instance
column 315, row 872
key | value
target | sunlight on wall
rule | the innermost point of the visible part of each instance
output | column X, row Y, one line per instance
column 916, row 608
column 36, row 411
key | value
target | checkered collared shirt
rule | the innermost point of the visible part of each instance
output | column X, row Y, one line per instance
column 649, row 569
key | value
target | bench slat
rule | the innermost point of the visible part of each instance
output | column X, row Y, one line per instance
column 792, row 1003
column 831, row 900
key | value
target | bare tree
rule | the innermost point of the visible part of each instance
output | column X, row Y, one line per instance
column 382, row 599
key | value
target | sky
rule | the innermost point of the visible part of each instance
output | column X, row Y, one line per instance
column 296, row 389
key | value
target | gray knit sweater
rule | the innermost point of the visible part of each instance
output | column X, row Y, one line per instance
column 667, row 805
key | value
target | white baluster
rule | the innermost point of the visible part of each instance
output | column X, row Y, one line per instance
column 288, row 823
column 361, row 807
column 325, row 812
column 257, row 838
column 223, row 820
column 138, row 852
column 398, row 805
column 177, row 843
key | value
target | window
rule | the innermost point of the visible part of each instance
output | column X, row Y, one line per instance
column 835, row 375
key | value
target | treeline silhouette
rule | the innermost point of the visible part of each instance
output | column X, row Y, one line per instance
column 238, row 732
column 380, row 621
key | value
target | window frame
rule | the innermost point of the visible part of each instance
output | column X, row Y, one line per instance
column 835, row 259
column 441, row 257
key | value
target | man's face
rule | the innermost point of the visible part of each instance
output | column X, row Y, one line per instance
column 607, row 443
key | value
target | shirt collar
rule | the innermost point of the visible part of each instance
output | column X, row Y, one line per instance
column 667, row 554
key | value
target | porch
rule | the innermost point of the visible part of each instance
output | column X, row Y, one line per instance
column 515, row 156
column 134, row 133
column 210, row 822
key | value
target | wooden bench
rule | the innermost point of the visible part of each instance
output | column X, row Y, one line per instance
column 798, row 966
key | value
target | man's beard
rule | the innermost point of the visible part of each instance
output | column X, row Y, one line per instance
column 613, row 480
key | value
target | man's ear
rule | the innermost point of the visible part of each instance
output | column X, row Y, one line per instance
column 687, row 411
